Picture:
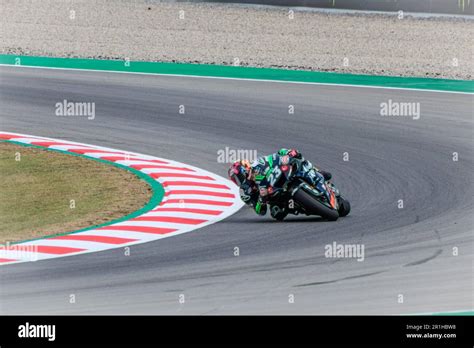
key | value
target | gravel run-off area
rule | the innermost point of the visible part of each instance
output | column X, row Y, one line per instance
column 236, row 34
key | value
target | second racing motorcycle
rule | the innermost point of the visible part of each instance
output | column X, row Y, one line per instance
column 299, row 189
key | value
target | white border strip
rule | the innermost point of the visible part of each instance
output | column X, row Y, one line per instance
column 241, row 79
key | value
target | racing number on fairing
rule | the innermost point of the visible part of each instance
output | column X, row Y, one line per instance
column 274, row 176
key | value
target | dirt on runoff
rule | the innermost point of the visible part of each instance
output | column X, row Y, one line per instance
column 236, row 34
column 45, row 192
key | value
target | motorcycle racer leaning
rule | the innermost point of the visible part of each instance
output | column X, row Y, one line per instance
column 255, row 180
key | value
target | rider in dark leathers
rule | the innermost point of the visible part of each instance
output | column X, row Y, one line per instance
column 255, row 180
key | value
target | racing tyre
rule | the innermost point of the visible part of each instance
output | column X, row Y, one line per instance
column 344, row 207
column 279, row 216
column 278, row 213
column 313, row 206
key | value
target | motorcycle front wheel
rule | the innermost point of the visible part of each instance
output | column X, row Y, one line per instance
column 312, row 206
column 344, row 207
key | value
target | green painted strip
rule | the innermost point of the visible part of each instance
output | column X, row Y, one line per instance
column 449, row 313
column 466, row 313
column 156, row 187
column 241, row 73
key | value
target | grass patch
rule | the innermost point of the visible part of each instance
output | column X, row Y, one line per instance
column 45, row 192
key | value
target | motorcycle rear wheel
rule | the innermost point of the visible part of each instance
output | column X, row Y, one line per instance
column 280, row 216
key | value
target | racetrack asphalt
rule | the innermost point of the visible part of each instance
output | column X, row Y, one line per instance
column 408, row 251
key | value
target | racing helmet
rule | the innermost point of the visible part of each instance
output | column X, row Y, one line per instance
column 239, row 172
